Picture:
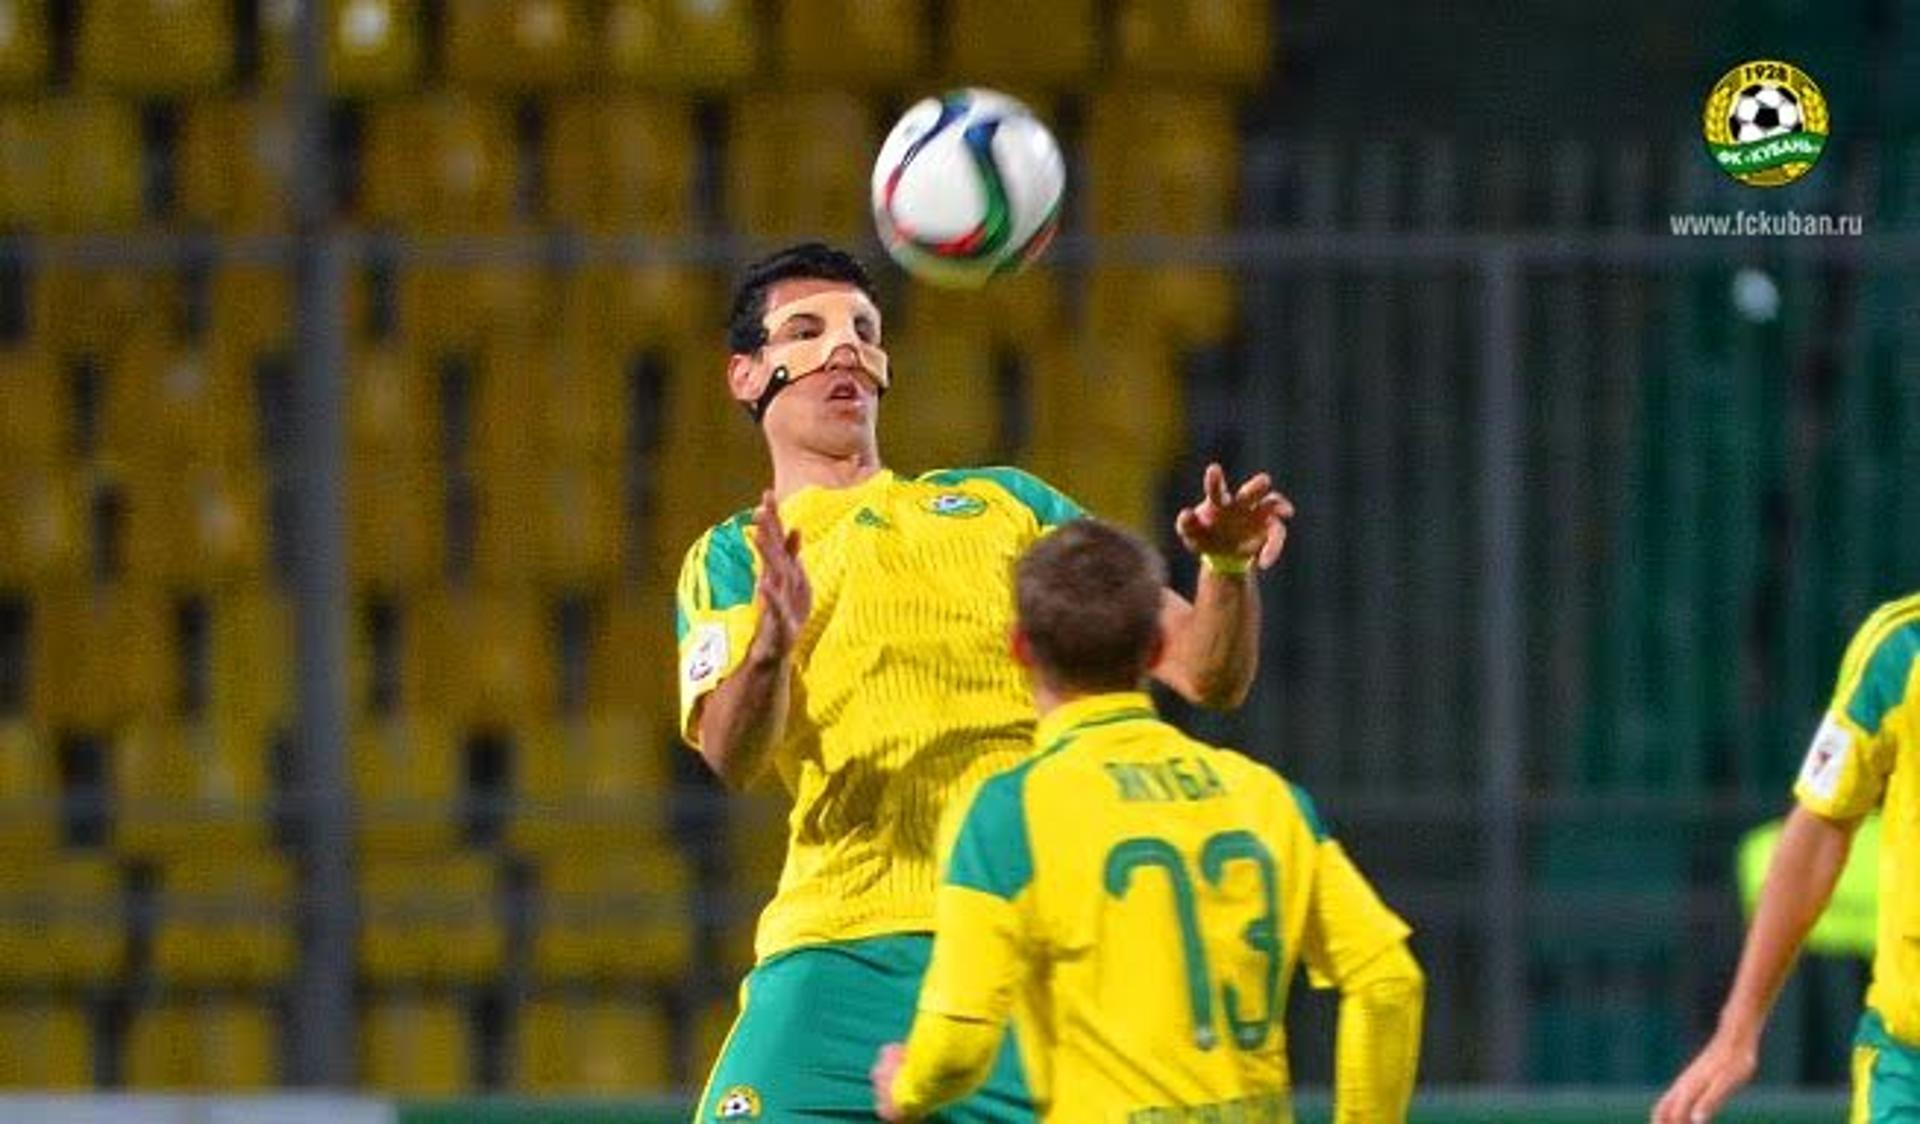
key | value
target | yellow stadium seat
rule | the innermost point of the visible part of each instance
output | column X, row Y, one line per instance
column 1006, row 42
column 250, row 312
column 416, row 1047
column 210, row 1043
column 621, row 163
column 36, row 411
column 396, row 521
column 629, row 309
column 1162, row 162
column 391, row 407
column 24, row 45
column 785, row 180
column 62, row 921
column 236, row 164
column 96, row 312
column 29, row 792
column 169, row 406
column 249, row 654
column 224, row 918
column 480, row 656
column 593, row 1046
column 430, row 920
column 1013, row 311
column 1183, row 306
column 547, row 401
column 516, row 44
column 49, row 1047
column 560, row 523
column 711, row 462
column 845, row 43
column 944, row 408
column 442, row 164
column 406, row 778
column 586, row 786
column 465, row 307
column 1119, row 393
column 1225, row 42
column 189, row 788
column 631, row 670
column 44, row 530
column 27, row 155
column 100, row 655
column 155, row 46
column 681, row 45
column 195, row 524
column 620, row 915
column 373, row 46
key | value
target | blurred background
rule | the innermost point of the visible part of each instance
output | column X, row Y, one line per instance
column 360, row 388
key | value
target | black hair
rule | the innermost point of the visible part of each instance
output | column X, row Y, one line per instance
column 746, row 331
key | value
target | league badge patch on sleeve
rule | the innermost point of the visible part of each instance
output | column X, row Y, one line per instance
column 1826, row 759
column 738, row 1103
column 706, row 655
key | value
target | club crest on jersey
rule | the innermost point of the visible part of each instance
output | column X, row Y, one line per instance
column 742, row 1102
column 959, row 505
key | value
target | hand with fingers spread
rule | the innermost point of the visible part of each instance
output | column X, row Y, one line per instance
column 1723, row 1067
column 1248, row 523
column 784, row 594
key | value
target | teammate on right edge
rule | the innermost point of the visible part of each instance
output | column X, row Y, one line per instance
column 1866, row 753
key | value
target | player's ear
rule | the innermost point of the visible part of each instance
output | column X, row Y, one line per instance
column 1020, row 647
column 1157, row 650
column 741, row 379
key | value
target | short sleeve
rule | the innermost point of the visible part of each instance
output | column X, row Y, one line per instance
column 992, row 852
column 1844, row 775
column 714, row 614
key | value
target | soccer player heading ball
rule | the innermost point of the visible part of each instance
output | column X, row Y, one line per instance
column 1139, row 900
column 851, row 632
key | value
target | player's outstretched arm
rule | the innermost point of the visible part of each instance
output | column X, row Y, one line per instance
column 1377, row 1045
column 1213, row 643
column 1805, row 867
column 744, row 717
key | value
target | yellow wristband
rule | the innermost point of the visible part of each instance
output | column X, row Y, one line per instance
column 1227, row 565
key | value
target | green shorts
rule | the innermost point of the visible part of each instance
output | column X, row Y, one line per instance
column 812, row 1021
column 1886, row 1076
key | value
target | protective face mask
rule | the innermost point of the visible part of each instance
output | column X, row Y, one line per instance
column 787, row 362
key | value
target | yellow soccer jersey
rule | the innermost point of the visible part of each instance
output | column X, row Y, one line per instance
column 1867, row 755
column 1139, row 901
column 905, row 697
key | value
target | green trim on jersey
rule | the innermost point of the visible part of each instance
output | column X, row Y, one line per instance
column 1048, row 504
column 994, row 853
column 1883, row 684
column 729, row 571
column 1310, row 812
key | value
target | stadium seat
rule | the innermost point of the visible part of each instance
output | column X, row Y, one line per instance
column 29, row 792
column 417, row 1047
column 852, row 43
column 170, row 406
column 711, row 462
column 481, row 656
column 96, row 312
column 49, row 1047
column 1178, row 306
column 236, row 164
column 27, row 155
column 25, row 50
column 44, row 530
column 210, row 1043
column 945, row 409
column 99, row 655
column 195, row 524
column 445, row 308
column 630, row 309
column 36, row 411
column 224, row 919
column 560, row 523
column 593, row 1046
column 817, row 192
column 1161, row 162
column 589, row 785
column 1179, row 42
column 249, row 657
column 516, row 44
column 681, row 45
column 407, row 784
column 392, row 407
column 373, row 46
column 250, row 313
column 1006, row 42
column 181, row 789
column 614, row 915
column 155, row 46
column 621, row 163
column 631, row 669
column 430, row 920
column 396, row 522
column 62, row 921
column 443, row 164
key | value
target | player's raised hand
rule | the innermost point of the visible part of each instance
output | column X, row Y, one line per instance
column 1722, row 1068
column 784, row 593
column 892, row 1056
column 1250, row 522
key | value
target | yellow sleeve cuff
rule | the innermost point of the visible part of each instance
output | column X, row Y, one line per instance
column 947, row 1058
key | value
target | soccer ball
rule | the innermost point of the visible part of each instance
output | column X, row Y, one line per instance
column 1763, row 110
column 967, row 187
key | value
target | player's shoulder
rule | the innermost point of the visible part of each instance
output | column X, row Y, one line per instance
column 1048, row 504
column 1271, row 786
column 718, row 569
column 1880, row 660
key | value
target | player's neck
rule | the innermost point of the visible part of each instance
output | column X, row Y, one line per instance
column 805, row 469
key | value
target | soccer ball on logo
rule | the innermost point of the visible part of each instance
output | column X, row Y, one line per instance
column 738, row 1103
column 1764, row 110
column 967, row 187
